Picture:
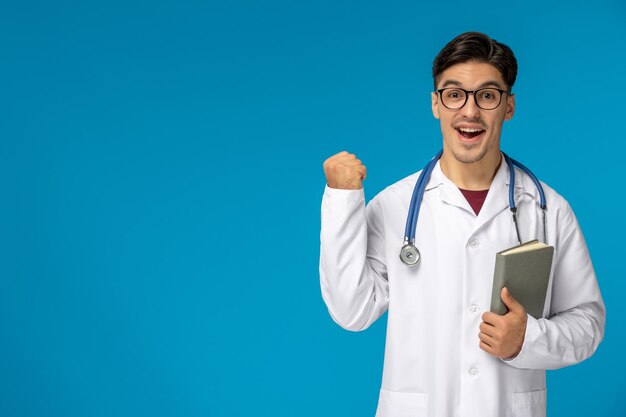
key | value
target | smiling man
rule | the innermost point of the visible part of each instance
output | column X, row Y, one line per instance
column 446, row 354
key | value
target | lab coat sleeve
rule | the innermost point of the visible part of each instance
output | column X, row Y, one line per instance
column 575, row 324
column 353, row 275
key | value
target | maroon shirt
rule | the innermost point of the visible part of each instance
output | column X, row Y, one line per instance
column 475, row 199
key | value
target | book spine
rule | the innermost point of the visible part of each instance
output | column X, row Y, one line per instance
column 497, row 304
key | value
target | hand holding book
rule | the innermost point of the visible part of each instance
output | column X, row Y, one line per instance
column 503, row 335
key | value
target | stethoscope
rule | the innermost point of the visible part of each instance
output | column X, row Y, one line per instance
column 409, row 253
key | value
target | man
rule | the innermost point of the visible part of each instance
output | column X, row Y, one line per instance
column 446, row 354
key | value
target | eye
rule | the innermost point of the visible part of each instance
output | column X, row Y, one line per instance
column 488, row 95
column 454, row 94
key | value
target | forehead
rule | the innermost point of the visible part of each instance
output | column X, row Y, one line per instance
column 471, row 75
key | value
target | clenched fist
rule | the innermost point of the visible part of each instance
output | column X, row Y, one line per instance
column 345, row 171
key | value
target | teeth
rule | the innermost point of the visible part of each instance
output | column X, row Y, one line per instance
column 469, row 130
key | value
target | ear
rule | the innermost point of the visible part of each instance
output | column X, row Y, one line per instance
column 510, row 107
column 434, row 96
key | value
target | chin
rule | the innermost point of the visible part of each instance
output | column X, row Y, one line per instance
column 469, row 154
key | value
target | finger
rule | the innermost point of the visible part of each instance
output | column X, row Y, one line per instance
column 492, row 318
column 362, row 171
column 487, row 348
column 345, row 155
column 352, row 162
column 341, row 159
column 510, row 301
column 488, row 329
column 486, row 338
column 332, row 160
column 341, row 155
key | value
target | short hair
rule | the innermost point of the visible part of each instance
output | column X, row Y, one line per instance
column 477, row 47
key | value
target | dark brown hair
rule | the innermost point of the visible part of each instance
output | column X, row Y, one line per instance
column 477, row 47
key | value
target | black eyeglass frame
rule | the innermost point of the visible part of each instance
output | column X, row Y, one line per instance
column 467, row 93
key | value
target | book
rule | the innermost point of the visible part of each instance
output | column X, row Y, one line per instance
column 525, row 271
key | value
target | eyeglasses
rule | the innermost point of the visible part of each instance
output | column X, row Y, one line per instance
column 486, row 98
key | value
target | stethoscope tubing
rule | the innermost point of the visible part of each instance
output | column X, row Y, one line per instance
column 416, row 199
column 542, row 196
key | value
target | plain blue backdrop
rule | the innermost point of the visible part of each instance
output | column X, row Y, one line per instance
column 161, row 179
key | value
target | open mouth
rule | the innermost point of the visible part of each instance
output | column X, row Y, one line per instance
column 469, row 133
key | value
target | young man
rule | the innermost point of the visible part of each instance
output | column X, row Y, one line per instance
column 446, row 354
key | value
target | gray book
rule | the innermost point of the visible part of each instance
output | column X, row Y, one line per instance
column 525, row 271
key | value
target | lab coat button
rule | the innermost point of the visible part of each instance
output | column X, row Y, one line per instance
column 473, row 371
column 474, row 243
column 474, row 308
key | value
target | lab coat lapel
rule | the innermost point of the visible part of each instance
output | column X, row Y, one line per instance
column 498, row 196
column 448, row 191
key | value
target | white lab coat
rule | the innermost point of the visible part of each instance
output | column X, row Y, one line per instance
column 433, row 364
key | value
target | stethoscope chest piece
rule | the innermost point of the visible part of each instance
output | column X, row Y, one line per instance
column 409, row 254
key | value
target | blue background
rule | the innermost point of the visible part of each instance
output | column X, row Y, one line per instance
column 161, row 179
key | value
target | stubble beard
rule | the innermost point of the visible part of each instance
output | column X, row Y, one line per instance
column 469, row 157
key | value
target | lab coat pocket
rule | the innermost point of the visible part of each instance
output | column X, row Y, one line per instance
column 402, row 404
column 529, row 404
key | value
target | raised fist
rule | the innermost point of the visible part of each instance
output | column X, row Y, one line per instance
column 344, row 171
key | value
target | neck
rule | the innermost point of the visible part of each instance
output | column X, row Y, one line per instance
column 471, row 176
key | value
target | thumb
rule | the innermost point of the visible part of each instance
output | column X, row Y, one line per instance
column 511, row 302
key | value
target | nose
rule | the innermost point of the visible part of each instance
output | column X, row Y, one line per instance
column 470, row 109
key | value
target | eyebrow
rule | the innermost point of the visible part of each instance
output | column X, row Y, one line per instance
column 490, row 83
